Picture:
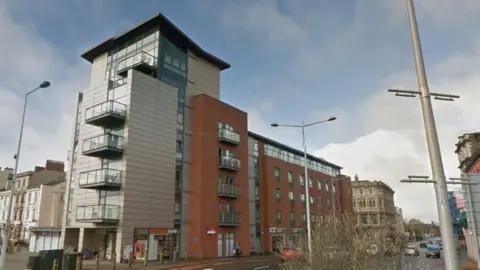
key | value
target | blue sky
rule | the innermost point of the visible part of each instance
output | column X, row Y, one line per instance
column 291, row 61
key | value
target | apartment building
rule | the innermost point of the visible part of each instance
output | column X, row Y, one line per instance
column 468, row 152
column 52, row 172
column 374, row 206
column 159, row 162
column 400, row 223
column 5, row 175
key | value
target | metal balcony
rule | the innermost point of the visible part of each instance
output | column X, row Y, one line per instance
column 228, row 190
column 229, row 163
column 140, row 61
column 103, row 146
column 97, row 213
column 229, row 219
column 228, row 136
column 107, row 114
column 104, row 179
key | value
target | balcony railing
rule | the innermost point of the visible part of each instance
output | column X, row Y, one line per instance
column 228, row 190
column 100, row 179
column 106, row 114
column 228, row 136
column 229, row 163
column 97, row 213
column 228, row 219
column 141, row 61
column 104, row 146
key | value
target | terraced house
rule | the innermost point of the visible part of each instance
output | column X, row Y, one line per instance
column 160, row 163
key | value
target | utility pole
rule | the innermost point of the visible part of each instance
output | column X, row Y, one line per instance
column 436, row 163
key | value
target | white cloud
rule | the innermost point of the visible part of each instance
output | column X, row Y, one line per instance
column 27, row 60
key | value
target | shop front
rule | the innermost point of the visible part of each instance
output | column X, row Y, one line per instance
column 278, row 238
column 155, row 242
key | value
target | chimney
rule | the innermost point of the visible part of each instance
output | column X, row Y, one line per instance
column 356, row 177
column 53, row 165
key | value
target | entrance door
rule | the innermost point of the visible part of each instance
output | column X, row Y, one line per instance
column 219, row 245
column 229, row 243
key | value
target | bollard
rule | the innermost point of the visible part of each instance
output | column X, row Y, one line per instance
column 161, row 257
column 97, row 262
column 56, row 263
column 114, row 260
column 79, row 263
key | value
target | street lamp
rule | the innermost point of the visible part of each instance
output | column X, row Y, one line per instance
column 6, row 228
column 333, row 201
column 307, row 180
column 436, row 163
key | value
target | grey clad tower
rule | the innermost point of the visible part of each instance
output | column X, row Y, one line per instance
column 130, row 151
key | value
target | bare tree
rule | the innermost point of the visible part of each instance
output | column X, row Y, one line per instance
column 341, row 244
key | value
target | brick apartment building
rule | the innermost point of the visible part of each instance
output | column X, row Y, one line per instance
column 161, row 163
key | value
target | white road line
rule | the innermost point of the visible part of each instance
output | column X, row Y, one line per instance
column 261, row 267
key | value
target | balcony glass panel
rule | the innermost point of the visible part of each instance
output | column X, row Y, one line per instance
column 103, row 141
column 229, row 218
column 109, row 107
column 229, row 163
column 100, row 177
column 139, row 59
column 97, row 213
column 228, row 136
column 228, row 190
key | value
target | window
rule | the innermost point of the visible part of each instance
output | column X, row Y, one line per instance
column 290, row 177
column 319, row 184
column 179, row 147
column 302, row 198
column 255, row 148
column 371, row 190
column 292, row 218
column 304, row 217
column 290, row 196
column 34, row 214
column 374, row 220
column 327, row 186
column 302, row 180
column 276, row 174
column 364, row 220
column 277, row 195
column 310, row 182
column 319, row 201
column 279, row 216
column 311, row 201
column 328, row 203
column 333, row 188
column 354, row 204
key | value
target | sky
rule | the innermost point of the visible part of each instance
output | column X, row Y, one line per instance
column 292, row 61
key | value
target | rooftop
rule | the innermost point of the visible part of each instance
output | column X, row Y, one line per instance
column 291, row 149
column 366, row 183
column 168, row 29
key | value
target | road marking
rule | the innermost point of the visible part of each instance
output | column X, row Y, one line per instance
column 261, row 267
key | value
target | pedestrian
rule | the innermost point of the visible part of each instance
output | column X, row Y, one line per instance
column 238, row 253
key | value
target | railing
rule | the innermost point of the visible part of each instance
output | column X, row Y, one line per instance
column 107, row 107
column 97, row 212
column 102, row 176
column 229, row 218
column 228, row 135
column 228, row 189
column 102, row 141
column 229, row 162
column 137, row 59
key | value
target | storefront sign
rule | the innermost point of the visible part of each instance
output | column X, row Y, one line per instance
column 297, row 230
column 211, row 231
column 276, row 230
column 172, row 231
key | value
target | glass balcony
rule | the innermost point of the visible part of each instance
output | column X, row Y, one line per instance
column 103, row 146
column 97, row 213
column 228, row 136
column 141, row 61
column 106, row 179
column 107, row 114
column 228, row 190
column 228, row 219
column 229, row 163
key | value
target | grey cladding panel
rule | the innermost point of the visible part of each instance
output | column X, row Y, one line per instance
column 150, row 153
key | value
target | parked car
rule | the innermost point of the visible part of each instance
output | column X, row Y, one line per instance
column 432, row 252
column 423, row 244
column 412, row 251
column 292, row 254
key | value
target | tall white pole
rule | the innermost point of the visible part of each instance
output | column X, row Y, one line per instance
column 307, row 195
column 6, row 230
column 446, row 227
column 334, row 210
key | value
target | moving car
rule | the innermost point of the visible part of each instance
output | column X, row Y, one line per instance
column 432, row 252
column 412, row 251
column 292, row 254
